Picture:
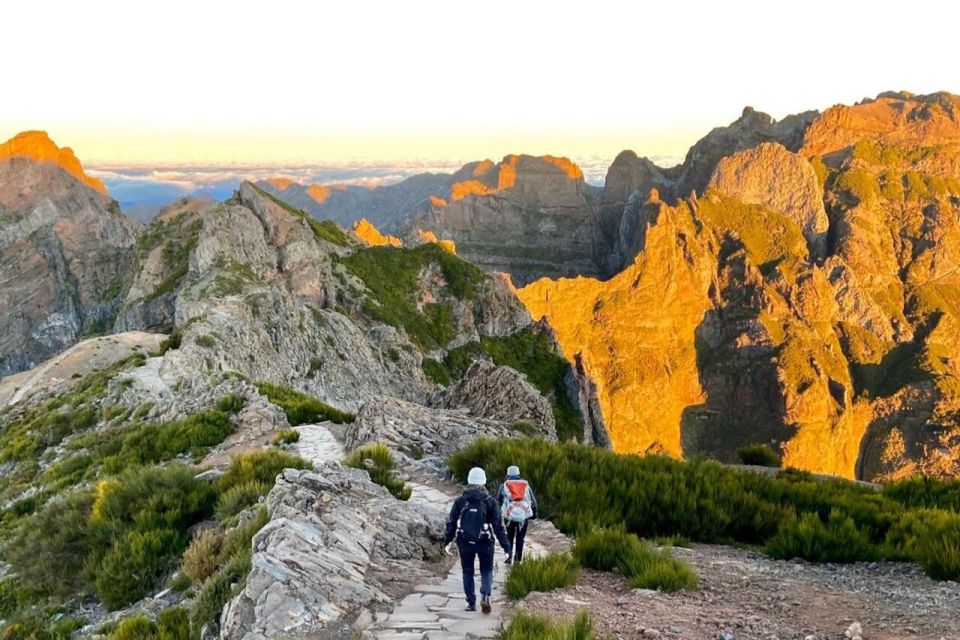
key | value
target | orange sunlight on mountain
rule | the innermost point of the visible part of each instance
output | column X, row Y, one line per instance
column 38, row 146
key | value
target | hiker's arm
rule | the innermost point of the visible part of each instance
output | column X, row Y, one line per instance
column 452, row 522
column 493, row 516
column 501, row 493
column 533, row 502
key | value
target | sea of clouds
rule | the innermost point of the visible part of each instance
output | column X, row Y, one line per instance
column 142, row 190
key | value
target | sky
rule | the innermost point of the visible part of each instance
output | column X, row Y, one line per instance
column 206, row 82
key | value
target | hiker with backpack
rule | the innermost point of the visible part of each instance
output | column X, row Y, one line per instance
column 518, row 506
column 474, row 522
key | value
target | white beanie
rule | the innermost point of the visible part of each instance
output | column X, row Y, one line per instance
column 513, row 470
column 477, row 476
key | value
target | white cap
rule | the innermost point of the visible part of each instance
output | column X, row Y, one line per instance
column 477, row 476
column 513, row 470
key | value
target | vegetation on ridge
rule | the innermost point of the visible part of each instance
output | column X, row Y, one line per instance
column 792, row 514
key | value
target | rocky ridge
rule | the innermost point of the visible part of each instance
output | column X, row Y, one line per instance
column 800, row 296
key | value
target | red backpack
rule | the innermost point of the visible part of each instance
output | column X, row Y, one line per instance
column 516, row 507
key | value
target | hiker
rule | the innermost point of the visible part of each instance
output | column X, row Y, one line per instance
column 474, row 522
column 517, row 506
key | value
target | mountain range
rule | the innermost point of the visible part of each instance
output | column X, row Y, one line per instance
column 792, row 283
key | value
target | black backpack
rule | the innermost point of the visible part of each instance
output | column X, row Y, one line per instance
column 472, row 525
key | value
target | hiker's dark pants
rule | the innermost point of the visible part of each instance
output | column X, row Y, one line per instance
column 483, row 551
column 519, row 531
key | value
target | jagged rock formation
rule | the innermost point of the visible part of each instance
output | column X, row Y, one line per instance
column 388, row 207
column 803, row 295
column 367, row 233
column 525, row 216
column 419, row 431
column 503, row 394
column 334, row 543
column 64, row 250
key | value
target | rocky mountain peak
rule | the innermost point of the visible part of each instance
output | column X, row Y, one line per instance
column 37, row 146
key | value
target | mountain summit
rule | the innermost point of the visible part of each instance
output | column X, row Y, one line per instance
column 38, row 147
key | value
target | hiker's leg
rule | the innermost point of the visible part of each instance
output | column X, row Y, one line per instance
column 467, row 554
column 518, row 547
column 485, row 553
column 511, row 533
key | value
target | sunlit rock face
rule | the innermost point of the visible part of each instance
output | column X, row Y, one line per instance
column 64, row 252
column 371, row 236
column 805, row 294
column 526, row 216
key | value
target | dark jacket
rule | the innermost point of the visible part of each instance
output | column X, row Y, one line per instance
column 491, row 516
column 502, row 494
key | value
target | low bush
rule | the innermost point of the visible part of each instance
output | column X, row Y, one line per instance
column 241, row 496
column 644, row 566
column 171, row 624
column 377, row 460
column 793, row 513
column 133, row 564
column 760, row 455
column 808, row 537
column 234, row 561
column 525, row 626
column 286, row 437
column 301, row 408
column 258, row 467
column 200, row 558
column 231, row 403
column 541, row 574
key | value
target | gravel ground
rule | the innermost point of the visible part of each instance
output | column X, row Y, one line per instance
column 750, row 596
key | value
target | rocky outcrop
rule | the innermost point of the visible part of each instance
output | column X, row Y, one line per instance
column 418, row 431
column 751, row 129
column 369, row 234
column 526, row 216
column 334, row 544
column 771, row 176
column 502, row 394
column 628, row 175
column 64, row 251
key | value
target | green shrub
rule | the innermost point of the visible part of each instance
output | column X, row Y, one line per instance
column 205, row 341
column 241, row 496
column 231, row 403
column 758, row 454
column 435, row 371
column 808, row 537
column 133, row 565
column 149, row 443
column 541, row 574
column 640, row 563
column 134, row 628
column 258, row 467
column 286, row 437
column 929, row 537
column 173, row 624
column 49, row 549
column 301, row 408
column 525, row 626
column 648, row 568
column 377, row 460
column 601, row 549
column 581, row 487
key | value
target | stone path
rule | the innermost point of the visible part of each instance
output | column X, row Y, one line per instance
column 317, row 444
column 435, row 609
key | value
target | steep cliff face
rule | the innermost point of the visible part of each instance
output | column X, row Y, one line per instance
column 64, row 249
column 806, row 298
column 526, row 216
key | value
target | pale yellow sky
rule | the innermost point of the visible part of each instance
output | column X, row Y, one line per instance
column 247, row 82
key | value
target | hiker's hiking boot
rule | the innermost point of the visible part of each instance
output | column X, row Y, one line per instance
column 471, row 607
column 485, row 604
column 508, row 560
